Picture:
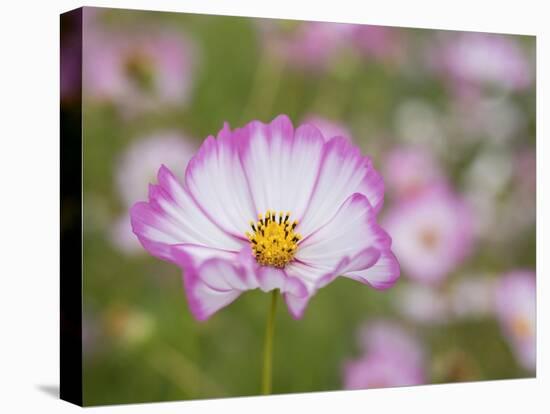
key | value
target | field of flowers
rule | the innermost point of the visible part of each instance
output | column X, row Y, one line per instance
column 447, row 119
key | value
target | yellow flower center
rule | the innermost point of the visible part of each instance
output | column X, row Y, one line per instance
column 273, row 239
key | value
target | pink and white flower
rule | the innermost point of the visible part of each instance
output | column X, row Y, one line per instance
column 137, row 71
column 432, row 233
column 392, row 357
column 268, row 207
column 516, row 311
column 410, row 170
column 138, row 165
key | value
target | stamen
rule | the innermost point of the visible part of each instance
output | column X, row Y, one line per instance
column 274, row 241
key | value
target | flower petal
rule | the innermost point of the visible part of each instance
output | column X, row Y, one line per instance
column 195, row 254
column 309, row 277
column 343, row 171
column 363, row 260
column 270, row 278
column 351, row 230
column 382, row 275
column 296, row 305
column 214, row 278
column 171, row 217
column 215, row 179
column 281, row 164
column 211, row 286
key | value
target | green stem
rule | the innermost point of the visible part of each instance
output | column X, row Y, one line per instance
column 268, row 345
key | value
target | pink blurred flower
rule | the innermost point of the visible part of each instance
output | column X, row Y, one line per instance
column 270, row 207
column 138, row 165
column 328, row 128
column 432, row 233
column 516, row 312
column 304, row 45
column 472, row 60
column 137, row 71
column 525, row 171
column 391, row 358
column 410, row 170
column 378, row 42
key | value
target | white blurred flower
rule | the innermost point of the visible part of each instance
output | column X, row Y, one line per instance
column 422, row 304
column 418, row 123
column 139, row 165
column 472, row 297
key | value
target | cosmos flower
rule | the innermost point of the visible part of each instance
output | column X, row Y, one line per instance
column 474, row 60
column 327, row 127
column 516, row 312
column 391, row 358
column 271, row 207
column 408, row 170
column 139, row 164
column 432, row 233
column 137, row 71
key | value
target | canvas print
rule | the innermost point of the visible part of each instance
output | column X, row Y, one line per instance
column 261, row 206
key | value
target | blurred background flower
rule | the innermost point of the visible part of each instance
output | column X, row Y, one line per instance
column 136, row 69
column 470, row 61
column 447, row 117
column 304, row 45
column 432, row 233
column 138, row 167
column 516, row 311
column 410, row 170
column 391, row 357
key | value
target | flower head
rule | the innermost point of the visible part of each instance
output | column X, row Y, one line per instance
column 516, row 312
column 432, row 233
column 392, row 357
column 268, row 207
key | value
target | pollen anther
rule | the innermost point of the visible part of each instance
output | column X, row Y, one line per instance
column 273, row 239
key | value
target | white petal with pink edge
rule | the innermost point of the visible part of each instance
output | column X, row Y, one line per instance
column 172, row 217
column 215, row 179
column 281, row 164
column 343, row 172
